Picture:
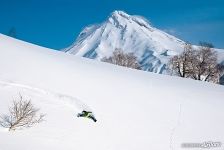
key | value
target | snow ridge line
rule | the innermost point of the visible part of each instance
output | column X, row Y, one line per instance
column 175, row 128
column 65, row 99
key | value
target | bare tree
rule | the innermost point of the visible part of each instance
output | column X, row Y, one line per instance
column 198, row 64
column 22, row 114
column 123, row 59
column 12, row 32
column 221, row 73
column 181, row 64
column 205, row 65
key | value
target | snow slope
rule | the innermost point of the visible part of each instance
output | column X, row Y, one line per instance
column 135, row 109
column 130, row 33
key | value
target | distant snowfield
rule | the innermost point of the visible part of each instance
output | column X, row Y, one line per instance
column 136, row 110
column 130, row 33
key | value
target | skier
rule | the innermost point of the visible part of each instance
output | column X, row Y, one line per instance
column 87, row 114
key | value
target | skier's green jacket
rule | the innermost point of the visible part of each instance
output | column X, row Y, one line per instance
column 87, row 114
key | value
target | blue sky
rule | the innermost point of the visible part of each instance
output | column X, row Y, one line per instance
column 57, row 23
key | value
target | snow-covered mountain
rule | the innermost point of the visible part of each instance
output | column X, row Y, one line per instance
column 135, row 34
column 131, row 34
column 136, row 110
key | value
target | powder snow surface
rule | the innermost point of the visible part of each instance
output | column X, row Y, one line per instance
column 136, row 110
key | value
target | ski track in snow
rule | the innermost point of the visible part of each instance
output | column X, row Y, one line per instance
column 175, row 128
column 66, row 100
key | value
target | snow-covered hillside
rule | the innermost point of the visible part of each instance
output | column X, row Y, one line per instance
column 131, row 34
column 152, row 46
column 135, row 110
